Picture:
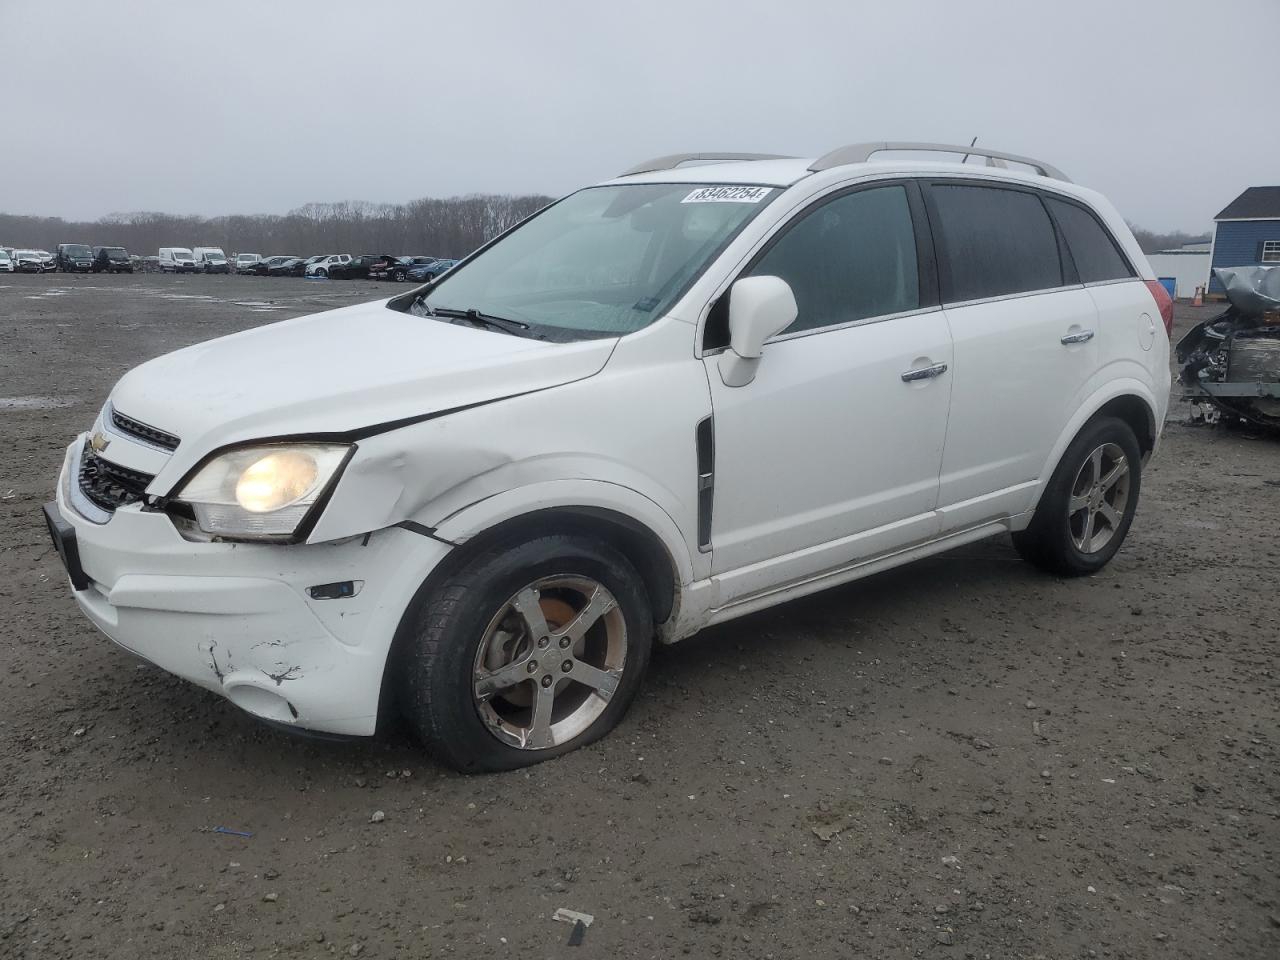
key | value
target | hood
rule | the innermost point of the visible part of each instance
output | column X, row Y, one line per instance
column 338, row 372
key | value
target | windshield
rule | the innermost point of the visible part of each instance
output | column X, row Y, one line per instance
column 77, row 250
column 605, row 261
column 32, row 254
column 247, row 257
column 115, row 252
column 182, row 254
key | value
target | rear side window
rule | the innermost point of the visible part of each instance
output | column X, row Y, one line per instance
column 1095, row 254
column 995, row 242
column 851, row 258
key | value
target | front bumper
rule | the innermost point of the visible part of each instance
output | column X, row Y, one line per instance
column 237, row 618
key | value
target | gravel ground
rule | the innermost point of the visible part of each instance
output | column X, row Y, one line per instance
column 962, row 758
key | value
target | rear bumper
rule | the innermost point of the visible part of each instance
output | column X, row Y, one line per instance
column 237, row 619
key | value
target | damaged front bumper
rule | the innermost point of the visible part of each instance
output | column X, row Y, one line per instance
column 1232, row 361
column 241, row 620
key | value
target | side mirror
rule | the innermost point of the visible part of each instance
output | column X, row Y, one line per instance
column 759, row 308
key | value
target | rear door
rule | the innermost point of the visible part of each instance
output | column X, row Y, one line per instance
column 832, row 452
column 1025, row 340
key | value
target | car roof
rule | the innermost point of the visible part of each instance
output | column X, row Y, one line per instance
column 785, row 173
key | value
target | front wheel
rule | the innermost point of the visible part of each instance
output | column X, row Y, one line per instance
column 398, row 277
column 526, row 653
column 1088, row 506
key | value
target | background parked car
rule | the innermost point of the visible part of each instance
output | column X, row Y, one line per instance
column 75, row 257
column 263, row 266
column 398, row 269
column 291, row 267
column 28, row 261
column 111, row 260
column 246, row 262
column 6, row 262
column 177, row 260
column 320, row 266
column 429, row 271
column 47, row 261
column 150, row 264
column 357, row 268
column 211, row 260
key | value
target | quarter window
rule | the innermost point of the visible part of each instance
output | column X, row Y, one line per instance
column 995, row 242
column 1271, row 251
column 1096, row 255
column 852, row 258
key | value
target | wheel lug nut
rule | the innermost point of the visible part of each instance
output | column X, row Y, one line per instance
column 564, row 642
column 567, row 666
column 533, row 666
column 543, row 641
column 546, row 681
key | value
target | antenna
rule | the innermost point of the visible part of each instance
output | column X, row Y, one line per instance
column 965, row 158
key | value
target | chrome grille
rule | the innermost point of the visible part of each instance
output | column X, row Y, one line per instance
column 142, row 431
column 109, row 485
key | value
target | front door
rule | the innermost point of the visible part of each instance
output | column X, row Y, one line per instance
column 832, row 452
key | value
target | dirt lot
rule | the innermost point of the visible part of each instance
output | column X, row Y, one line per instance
column 1005, row 765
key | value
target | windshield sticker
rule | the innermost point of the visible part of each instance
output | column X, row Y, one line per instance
column 728, row 195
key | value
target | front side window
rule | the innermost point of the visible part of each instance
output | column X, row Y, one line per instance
column 1270, row 251
column 994, row 242
column 603, row 262
column 1096, row 255
column 853, row 257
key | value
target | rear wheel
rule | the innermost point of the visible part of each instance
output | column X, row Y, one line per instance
column 1088, row 506
column 398, row 276
column 526, row 653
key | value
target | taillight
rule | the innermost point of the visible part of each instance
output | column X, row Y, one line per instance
column 1164, row 303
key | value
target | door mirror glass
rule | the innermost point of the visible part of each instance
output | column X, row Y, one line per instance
column 759, row 308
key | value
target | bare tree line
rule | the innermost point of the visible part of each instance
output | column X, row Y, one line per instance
column 442, row 227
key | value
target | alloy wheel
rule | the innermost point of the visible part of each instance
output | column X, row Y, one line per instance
column 1099, row 498
column 549, row 662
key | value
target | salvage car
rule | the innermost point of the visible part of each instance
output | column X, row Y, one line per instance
column 397, row 268
column 111, row 260
column 29, row 261
column 74, row 258
column 357, row 268
column 6, row 262
column 211, row 260
column 429, row 271
column 247, row 262
column 319, row 266
column 685, row 394
column 1231, row 362
column 286, row 266
column 263, row 267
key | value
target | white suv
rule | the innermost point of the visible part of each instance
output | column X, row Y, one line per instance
column 320, row 267
column 665, row 401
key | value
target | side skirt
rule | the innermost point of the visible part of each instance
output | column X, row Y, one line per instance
column 853, row 571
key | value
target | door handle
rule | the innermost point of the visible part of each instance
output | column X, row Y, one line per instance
column 924, row 373
column 1084, row 336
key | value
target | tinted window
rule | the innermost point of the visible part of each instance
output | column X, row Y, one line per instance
column 1094, row 252
column 851, row 258
column 994, row 242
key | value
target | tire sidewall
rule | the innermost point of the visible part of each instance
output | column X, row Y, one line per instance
column 1056, row 523
column 439, row 700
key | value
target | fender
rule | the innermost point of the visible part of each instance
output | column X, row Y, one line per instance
column 1113, row 388
column 477, row 517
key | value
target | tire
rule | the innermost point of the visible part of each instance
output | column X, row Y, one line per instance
column 1080, row 522
column 322, row 272
column 399, row 276
column 478, row 608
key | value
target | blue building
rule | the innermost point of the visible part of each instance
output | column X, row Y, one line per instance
column 1247, row 232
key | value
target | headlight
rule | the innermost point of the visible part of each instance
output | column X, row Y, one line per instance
column 262, row 492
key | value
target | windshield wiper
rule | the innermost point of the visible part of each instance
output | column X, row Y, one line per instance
column 478, row 319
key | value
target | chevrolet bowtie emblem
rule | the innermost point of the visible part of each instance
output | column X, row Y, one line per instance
column 99, row 442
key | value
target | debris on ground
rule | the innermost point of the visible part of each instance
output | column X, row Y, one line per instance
column 565, row 915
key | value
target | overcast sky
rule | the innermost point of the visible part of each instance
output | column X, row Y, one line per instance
column 1167, row 106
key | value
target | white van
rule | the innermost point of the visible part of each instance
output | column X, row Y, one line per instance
column 683, row 395
column 211, row 260
column 177, row 260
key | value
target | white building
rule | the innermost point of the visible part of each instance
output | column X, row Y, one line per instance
column 1188, row 265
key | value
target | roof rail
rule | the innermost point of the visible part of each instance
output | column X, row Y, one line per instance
column 676, row 159
column 861, row 152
